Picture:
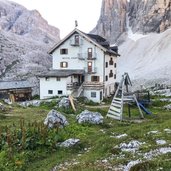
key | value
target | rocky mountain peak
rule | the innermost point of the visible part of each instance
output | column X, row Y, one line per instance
column 141, row 29
column 144, row 17
column 149, row 15
column 17, row 19
column 112, row 21
column 25, row 38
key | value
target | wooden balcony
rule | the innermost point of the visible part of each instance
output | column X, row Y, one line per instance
column 72, row 86
column 93, row 70
column 85, row 56
column 93, row 84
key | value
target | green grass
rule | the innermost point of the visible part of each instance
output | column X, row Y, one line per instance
column 98, row 139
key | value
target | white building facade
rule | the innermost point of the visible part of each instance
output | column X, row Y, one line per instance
column 82, row 65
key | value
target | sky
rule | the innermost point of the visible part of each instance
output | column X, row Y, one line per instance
column 63, row 13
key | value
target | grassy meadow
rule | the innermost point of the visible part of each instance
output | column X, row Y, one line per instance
column 27, row 145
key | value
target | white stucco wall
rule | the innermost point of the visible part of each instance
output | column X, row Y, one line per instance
column 72, row 57
column 87, row 93
column 109, row 85
column 54, row 85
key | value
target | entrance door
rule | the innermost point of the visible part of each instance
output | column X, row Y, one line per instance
column 82, row 78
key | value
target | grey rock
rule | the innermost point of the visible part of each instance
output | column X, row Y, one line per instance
column 2, row 107
column 7, row 101
column 112, row 21
column 167, row 107
column 64, row 102
column 144, row 17
column 25, row 38
column 70, row 142
column 167, row 130
column 149, row 16
column 131, row 146
column 161, row 142
column 35, row 103
column 89, row 117
column 55, row 119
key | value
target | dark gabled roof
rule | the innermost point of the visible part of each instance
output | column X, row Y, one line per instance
column 95, row 39
column 5, row 85
column 62, row 73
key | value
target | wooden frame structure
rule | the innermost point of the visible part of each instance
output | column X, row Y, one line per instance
column 122, row 96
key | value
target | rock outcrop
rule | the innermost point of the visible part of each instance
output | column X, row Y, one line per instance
column 144, row 16
column 142, row 31
column 25, row 38
column 112, row 21
column 55, row 119
column 149, row 15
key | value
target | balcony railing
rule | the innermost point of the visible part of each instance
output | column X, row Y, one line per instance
column 74, row 43
column 93, row 70
column 71, row 86
column 93, row 84
column 84, row 56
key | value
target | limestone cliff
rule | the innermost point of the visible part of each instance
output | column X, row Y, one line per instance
column 149, row 15
column 144, row 26
column 112, row 21
column 25, row 38
column 144, row 16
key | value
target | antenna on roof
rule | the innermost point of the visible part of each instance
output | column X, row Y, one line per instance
column 76, row 23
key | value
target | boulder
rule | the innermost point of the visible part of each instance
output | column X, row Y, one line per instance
column 167, row 107
column 89, row 117
column 35, row 103
column 131, row 146
column 64, row 102
column 70, row 142
column 2, row 107
column 55, row 119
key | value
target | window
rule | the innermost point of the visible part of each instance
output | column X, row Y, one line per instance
column 77, row 39
column 60, row 92
column 106, row 78
column 64, row 64
column 94, row 78
column 111, row 73
column 90, row 50
column 50, row 91
column 111, row 61
column 106, row 64
column 63, row 51
column 114, row 65
column 47, row 78
column 89, row 66
column 114, row 76
column 58, row 79
column 93, row 94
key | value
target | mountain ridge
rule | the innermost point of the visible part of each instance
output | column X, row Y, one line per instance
column 25, row 38
column 144, row 42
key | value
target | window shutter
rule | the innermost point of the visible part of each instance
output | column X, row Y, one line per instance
column 61, row 64
column 66, row 64
column 98, row 78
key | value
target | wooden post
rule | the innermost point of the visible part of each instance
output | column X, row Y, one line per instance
column 129, row 110
column 72, row 102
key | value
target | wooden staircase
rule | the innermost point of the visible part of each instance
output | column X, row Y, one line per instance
column 77, row 93
column 121, row 97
